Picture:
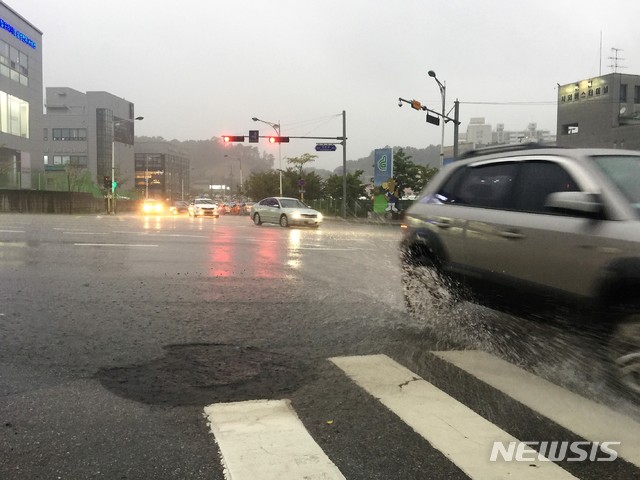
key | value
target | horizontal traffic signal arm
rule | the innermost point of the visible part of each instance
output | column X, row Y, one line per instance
column 232, row 138
column 416, row 105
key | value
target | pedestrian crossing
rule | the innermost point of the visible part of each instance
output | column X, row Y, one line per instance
column 266, row 439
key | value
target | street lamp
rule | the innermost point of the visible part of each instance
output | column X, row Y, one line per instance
column 276, row 127
column 443, row 91
column 113, row 159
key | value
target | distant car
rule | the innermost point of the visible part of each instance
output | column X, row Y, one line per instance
column 247, row 208
column 203, row 207
column 151, row 205
column 285, row 212
column 179, row 206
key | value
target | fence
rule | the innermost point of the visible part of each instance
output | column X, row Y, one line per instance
column 332, row 207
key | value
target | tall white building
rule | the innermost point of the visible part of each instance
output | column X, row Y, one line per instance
column 482, row 134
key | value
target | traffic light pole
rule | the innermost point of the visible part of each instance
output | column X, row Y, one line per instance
column 342, row 140
column 436, row 118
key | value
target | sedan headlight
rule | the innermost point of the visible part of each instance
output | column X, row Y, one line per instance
column 319, row 217
column 296, row 215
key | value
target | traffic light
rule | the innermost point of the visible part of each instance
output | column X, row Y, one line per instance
column 278, row 139
column 416, row 105
column 107, row 182
column 233, row 138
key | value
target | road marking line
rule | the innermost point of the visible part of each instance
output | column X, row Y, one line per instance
column 12, row 231
column 265, row 439
column 458, row 432
column 590, row 420
column 112, row 245
column 85, row 233
column 146, row 234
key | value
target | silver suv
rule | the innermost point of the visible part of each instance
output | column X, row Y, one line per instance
column 536, row 228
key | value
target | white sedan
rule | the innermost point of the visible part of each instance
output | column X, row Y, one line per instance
column 285, row 211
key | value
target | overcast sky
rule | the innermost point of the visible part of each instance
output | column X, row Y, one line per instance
column 197, row 69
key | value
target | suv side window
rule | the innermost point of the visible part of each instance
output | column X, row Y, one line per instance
column 488, row 186
column 537, row 180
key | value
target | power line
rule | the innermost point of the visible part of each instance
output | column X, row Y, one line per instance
column 511, row 103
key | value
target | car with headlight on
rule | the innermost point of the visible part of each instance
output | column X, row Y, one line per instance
column 285, row 212
column 532, row 230
column 203, row 207
column 152, row 206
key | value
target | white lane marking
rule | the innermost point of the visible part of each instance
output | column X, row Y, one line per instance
column 265, row 439
column 590, row 420
column 147, row 234
column 12, row 231
column 330, row 249
column 112, row 245
column 462, row 435
column 85, row 233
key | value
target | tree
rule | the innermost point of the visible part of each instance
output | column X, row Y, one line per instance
column 78, row 178
column 263, row 184
column 409, row 175
column 355, row 188
column 301, row 161
column 313, row 184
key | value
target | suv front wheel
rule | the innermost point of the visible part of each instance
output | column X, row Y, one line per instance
column 624, row 351
column 427, row 291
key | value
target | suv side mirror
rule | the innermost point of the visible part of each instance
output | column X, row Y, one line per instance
column 580, row 202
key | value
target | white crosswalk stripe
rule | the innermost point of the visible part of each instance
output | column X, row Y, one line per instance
column 588, row 419
column 454, row 429
column 265, row 438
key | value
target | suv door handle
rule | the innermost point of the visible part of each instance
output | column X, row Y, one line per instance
column 441, row 222
column 511, row 234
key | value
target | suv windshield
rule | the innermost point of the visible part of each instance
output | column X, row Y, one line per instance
column 624, row 171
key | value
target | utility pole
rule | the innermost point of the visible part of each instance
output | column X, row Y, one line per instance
column 344, row 164
column 456, row 123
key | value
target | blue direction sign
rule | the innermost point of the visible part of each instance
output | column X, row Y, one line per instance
column 325, row 147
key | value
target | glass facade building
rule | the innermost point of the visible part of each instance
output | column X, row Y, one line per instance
column 20, row 101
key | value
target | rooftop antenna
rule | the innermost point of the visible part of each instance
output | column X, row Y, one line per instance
column 600, row 66
column 615, row 65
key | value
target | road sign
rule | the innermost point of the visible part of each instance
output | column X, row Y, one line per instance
column 325, row 147
column 254, row 136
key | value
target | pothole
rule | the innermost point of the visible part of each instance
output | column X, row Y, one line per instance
column 199, row 374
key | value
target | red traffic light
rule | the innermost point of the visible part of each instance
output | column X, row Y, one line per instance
column 278, row 139
column 232, row 138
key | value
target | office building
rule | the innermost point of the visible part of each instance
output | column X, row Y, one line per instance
column 161, row 170
column 91, row 131
column 20, row 101
column 601, row 111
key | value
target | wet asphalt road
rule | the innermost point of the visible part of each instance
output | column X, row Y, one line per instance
column 117, row 331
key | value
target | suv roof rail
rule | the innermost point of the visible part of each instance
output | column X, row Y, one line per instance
column 505, row 148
